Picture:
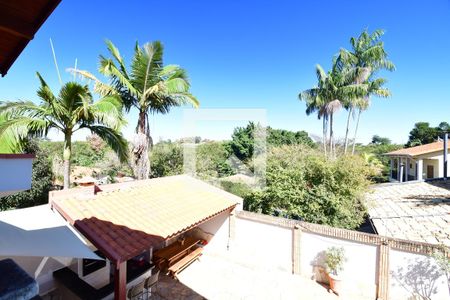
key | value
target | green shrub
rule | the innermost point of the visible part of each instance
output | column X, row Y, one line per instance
column 301, row 183
column 237, row 188
column 166, row 159
column 211, row 160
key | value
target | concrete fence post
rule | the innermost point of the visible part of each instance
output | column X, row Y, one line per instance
column 231, row 228
column 383, row 271
column 296, row 249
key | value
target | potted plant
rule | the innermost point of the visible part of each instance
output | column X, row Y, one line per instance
column 334, row 264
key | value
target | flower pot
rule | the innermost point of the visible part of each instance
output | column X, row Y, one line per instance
column 335, row 283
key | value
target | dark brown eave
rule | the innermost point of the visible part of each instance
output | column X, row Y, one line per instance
column 19, row 22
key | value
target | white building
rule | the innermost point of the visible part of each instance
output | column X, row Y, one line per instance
column 417, row 163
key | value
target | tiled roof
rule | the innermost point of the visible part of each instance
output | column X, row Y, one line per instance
column 419, row 150
column 126, row 219
column 418, row 211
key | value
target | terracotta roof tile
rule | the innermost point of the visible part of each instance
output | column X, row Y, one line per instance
column 419, row 150
column 124, row 222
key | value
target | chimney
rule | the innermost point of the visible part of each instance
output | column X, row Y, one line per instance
column 445, row 154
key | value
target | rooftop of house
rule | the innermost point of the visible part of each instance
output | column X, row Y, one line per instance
column 416, row 211
column 124, row 219
column 418, row 150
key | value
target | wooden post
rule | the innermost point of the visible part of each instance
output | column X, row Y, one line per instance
column 120, row 281
column 296, row 247
column 383, row 272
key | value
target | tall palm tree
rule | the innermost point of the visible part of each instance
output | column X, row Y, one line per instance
column 326, row 97
column 366, row 59
column 71, row 110
column 375, row 87
column 316, row 101
column 148, row 86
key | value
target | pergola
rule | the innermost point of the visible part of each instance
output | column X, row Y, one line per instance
column 19, row 22
column 127, row 219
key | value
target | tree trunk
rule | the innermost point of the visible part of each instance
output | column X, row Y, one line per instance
column 350, row 111
column 356, row 131
column 66, row 156
column 141, row 161
column 324, row 138
column 331, row 136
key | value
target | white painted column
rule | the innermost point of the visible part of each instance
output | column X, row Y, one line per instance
column 419, row 167
column 391, row 169
column 407, row 169
column 399, row 169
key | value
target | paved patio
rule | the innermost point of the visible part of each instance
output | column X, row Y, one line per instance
column 219, row 278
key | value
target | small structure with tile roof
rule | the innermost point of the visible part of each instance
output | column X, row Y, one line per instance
column 127, row 219
column 415, row 211
column 417, row 163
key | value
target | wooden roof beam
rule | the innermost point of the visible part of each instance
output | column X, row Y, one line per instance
column 16, row 26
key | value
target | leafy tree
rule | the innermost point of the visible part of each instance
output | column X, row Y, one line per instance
column 378, row 140
column 148, row 86
column 303, row 184
column 364, row 61
column 72, row 110
column 279, row 137
column 41, row 181
column 211, row 160
column 422, row 134
column 243, row 139
column 443, row 128
column 166, row 159
column 372, row 153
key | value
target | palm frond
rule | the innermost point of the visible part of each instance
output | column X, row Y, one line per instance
column 108, row 111
column 108, row 68
column 116, row 54
column 100, row 88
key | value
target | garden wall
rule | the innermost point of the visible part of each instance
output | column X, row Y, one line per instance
column 377, row 267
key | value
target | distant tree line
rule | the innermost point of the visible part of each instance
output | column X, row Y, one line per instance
column 423, row 133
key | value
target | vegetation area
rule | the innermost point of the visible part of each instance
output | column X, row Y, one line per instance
column 301, row 182
column 422, row 133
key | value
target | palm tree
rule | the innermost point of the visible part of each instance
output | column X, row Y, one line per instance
column 71, row 110
column 366, row 59
column 148, row 86
column 315, row 102
column 375, row 87
column 326, row 98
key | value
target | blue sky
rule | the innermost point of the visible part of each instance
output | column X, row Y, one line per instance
column 255, row 54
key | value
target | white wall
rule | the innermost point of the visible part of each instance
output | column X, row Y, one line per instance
column 415, row 274
column 359, row 274
column 269, row 247
column 263, row 246
column 15, row 175
column 217, row 232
